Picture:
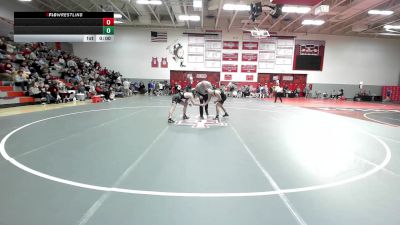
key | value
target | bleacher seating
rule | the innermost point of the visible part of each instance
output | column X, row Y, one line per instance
column 11, row 95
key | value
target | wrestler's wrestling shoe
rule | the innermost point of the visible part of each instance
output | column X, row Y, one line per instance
column 225, row 115
column 185, row 117
column 171, row 120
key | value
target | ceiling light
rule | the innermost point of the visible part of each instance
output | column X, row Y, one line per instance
column 313, row 22
column 197, row 4
column 117, row 21
column 189, row 18
column 295, row 9
column 25, row 0
column 380, row 12
column 396, row 27
column 236, row 7
column 321, row 9
column 117, row 16
column 149, row 2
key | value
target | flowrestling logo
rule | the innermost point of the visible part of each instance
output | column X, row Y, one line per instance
column 64, row 15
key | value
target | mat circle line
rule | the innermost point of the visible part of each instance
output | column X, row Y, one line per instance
column 378, row 121
column 5, row 155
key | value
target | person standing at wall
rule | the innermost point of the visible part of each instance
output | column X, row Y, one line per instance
column 266, row 90
column 149, row 87
column 340, row 94
column 127, row 91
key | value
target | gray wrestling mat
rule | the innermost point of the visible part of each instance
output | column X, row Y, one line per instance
column 122, row 163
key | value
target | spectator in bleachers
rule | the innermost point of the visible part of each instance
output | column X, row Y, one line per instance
column 71, row 63
column 41, row 65
column 21, row 81
column 36, row 92
column 61, row 61
column 3, row 45
column 81, row 88
column 54, row 92
column 4, row 74
column 101, row 91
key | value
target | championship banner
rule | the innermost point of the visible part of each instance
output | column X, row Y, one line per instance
column 230, row 56
column 248, row 68
column 247, row 45
column 249, row 57
column 229, row 68
column 309, row 55
column 249, row 77
column 287, row 77
column 230, row 45
column 228, row 77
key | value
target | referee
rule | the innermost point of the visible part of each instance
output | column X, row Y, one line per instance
column 204, row 88
column 278, row 92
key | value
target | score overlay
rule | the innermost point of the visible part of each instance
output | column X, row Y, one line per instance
column 63, row 26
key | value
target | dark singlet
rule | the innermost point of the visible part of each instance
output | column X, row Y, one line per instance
column 178, row 97
column 223, row 96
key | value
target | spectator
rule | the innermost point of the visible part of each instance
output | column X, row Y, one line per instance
column 40, row 65
column 71, row 63
column 340, row 94
column 5, row 74
column 142, row 88
column 102, row 91
column 21, row 81
column 333, row 94
column 266, row 90
column 127, row 91
column 34, row 91
column 54, row 92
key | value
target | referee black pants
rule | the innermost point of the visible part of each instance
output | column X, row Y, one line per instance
column 204, row 99
column 278, row 95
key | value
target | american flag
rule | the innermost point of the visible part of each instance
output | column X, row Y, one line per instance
column 158, row 36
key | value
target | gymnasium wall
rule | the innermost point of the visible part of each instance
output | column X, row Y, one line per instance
column 347, row 60
column 7, row 8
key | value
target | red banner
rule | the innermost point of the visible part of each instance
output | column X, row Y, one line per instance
column 58, row 45
column 248, row 45
column 229, row 68
column 230, row 45
column 228, row 77
column 249, row 77
column 181, row 77
column 230, row 56
column 249, row 57
column 249, row 69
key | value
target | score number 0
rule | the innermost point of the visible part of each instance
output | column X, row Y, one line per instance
column 108, row 25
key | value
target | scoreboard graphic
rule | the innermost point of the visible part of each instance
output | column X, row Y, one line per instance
column 63, row 26
column 309, row 55
column 309, row 49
